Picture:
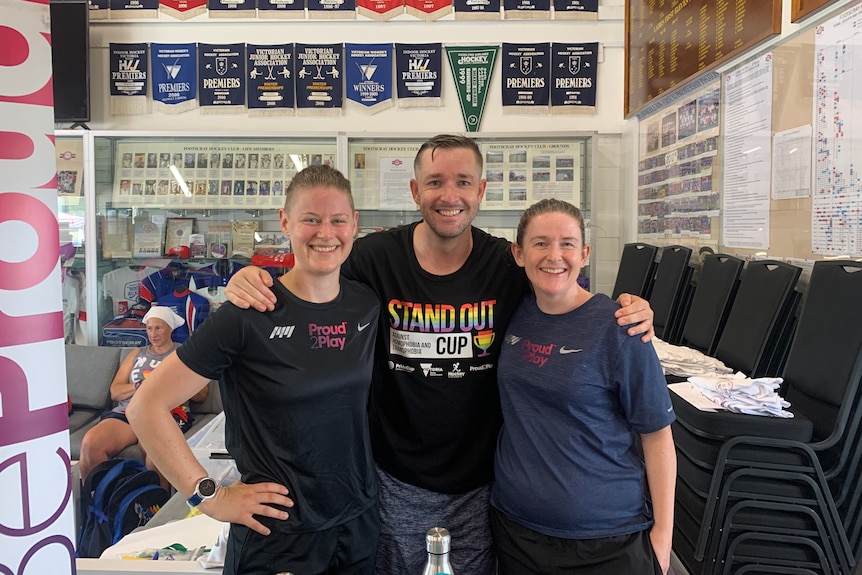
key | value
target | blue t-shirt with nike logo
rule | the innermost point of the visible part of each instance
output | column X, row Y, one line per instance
column 575, row 392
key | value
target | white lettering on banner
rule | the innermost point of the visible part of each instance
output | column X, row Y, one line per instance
column 223, row 83
column 23, row 77
column 430, row 345
column 574, row 83
column 36, row 518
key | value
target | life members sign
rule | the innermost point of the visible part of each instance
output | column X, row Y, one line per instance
column 36, row 517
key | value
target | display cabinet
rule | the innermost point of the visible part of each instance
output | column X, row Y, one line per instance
column 71, row 216
column 173, row 216
column 178, row 214
column 519, row 169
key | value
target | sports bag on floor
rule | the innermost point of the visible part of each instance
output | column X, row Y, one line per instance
column 117, row 496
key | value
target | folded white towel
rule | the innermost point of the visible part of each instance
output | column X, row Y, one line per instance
column 740, row 394
column 739, row 383
column 681, row 360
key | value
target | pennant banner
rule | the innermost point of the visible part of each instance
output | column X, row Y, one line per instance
column 128, row 79
column 527, row 9
column 231, row 8
column 134, row 9
column 183, row 9
column 369, row 76
column 526, row 78
column 380, row 9
column 174, row 77
column 576, row 9
column 99, row 10
column 281, row 9
column 472, row 67
column 270, row 80
column 574, row 71
column 319, row 71
column 221, row 71
column 332, row 9
column 418, row 75
column 477, row 9
column 429, row 9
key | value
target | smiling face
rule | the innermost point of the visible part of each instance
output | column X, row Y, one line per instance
column 552, row 252
column 320, row 222
column 448, row 189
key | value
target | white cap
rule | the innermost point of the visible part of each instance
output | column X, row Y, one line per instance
column 165, row 314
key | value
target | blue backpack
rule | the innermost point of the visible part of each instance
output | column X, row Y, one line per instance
column 117, row 496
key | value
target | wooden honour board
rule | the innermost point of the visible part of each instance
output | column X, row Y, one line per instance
column 668, row 42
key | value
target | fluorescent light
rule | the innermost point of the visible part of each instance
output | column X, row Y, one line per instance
column 793, row 151
column 179, row 178
column 752, row 150
column 297, row 162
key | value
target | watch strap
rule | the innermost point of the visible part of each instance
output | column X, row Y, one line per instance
column 194, row 500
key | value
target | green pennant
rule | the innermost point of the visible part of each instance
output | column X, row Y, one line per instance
column 472, row 67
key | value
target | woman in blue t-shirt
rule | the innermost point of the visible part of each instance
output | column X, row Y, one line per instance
column 572, row 491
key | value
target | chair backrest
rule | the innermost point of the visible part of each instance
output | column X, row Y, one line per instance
column 764, row 297
column 636, row 271
column 825, row 361
column 713, row 297
column 672, row 275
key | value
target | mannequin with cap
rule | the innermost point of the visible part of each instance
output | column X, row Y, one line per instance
column 113, row 433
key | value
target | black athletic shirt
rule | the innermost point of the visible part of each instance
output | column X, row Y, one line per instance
column 294, row 384
column 435, row 409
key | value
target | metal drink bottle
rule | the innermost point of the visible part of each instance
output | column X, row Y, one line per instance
column 437, row 542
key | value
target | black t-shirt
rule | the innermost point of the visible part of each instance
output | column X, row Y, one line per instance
column 294, row 384
column 435, row 409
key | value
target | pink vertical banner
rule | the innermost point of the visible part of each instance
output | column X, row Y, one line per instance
column 37, row 517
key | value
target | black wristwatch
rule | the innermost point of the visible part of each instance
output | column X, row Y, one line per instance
column 205, row 489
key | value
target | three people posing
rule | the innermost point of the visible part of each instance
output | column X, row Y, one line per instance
column 447, row 292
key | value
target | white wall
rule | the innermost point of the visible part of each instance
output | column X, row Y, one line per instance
column 608, row 120
column 609, row 32
column 631, row 128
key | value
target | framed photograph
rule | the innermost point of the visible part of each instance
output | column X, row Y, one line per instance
column 178, row 233
column 242, row 238
column 148, row 240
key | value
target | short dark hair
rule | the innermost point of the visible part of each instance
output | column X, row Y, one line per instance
column 447, row 142
column 549, row 206
column 317, row 176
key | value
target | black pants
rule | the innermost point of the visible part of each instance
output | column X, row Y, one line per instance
column 347, row 549
column 522, row 551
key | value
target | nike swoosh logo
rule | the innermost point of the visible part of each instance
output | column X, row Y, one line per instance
column 564, row 350
column 362, row 327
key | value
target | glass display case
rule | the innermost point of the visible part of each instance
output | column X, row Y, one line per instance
column 520, row 170
column 176, row 215
column 71, row 216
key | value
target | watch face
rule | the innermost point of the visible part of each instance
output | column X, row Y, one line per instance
column 207, row 487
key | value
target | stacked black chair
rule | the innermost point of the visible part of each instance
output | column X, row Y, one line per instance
column 783, row 495
column 637, row 270
column 712, row 301
column 756, row 321
column 759, row 316
column 672, row 279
